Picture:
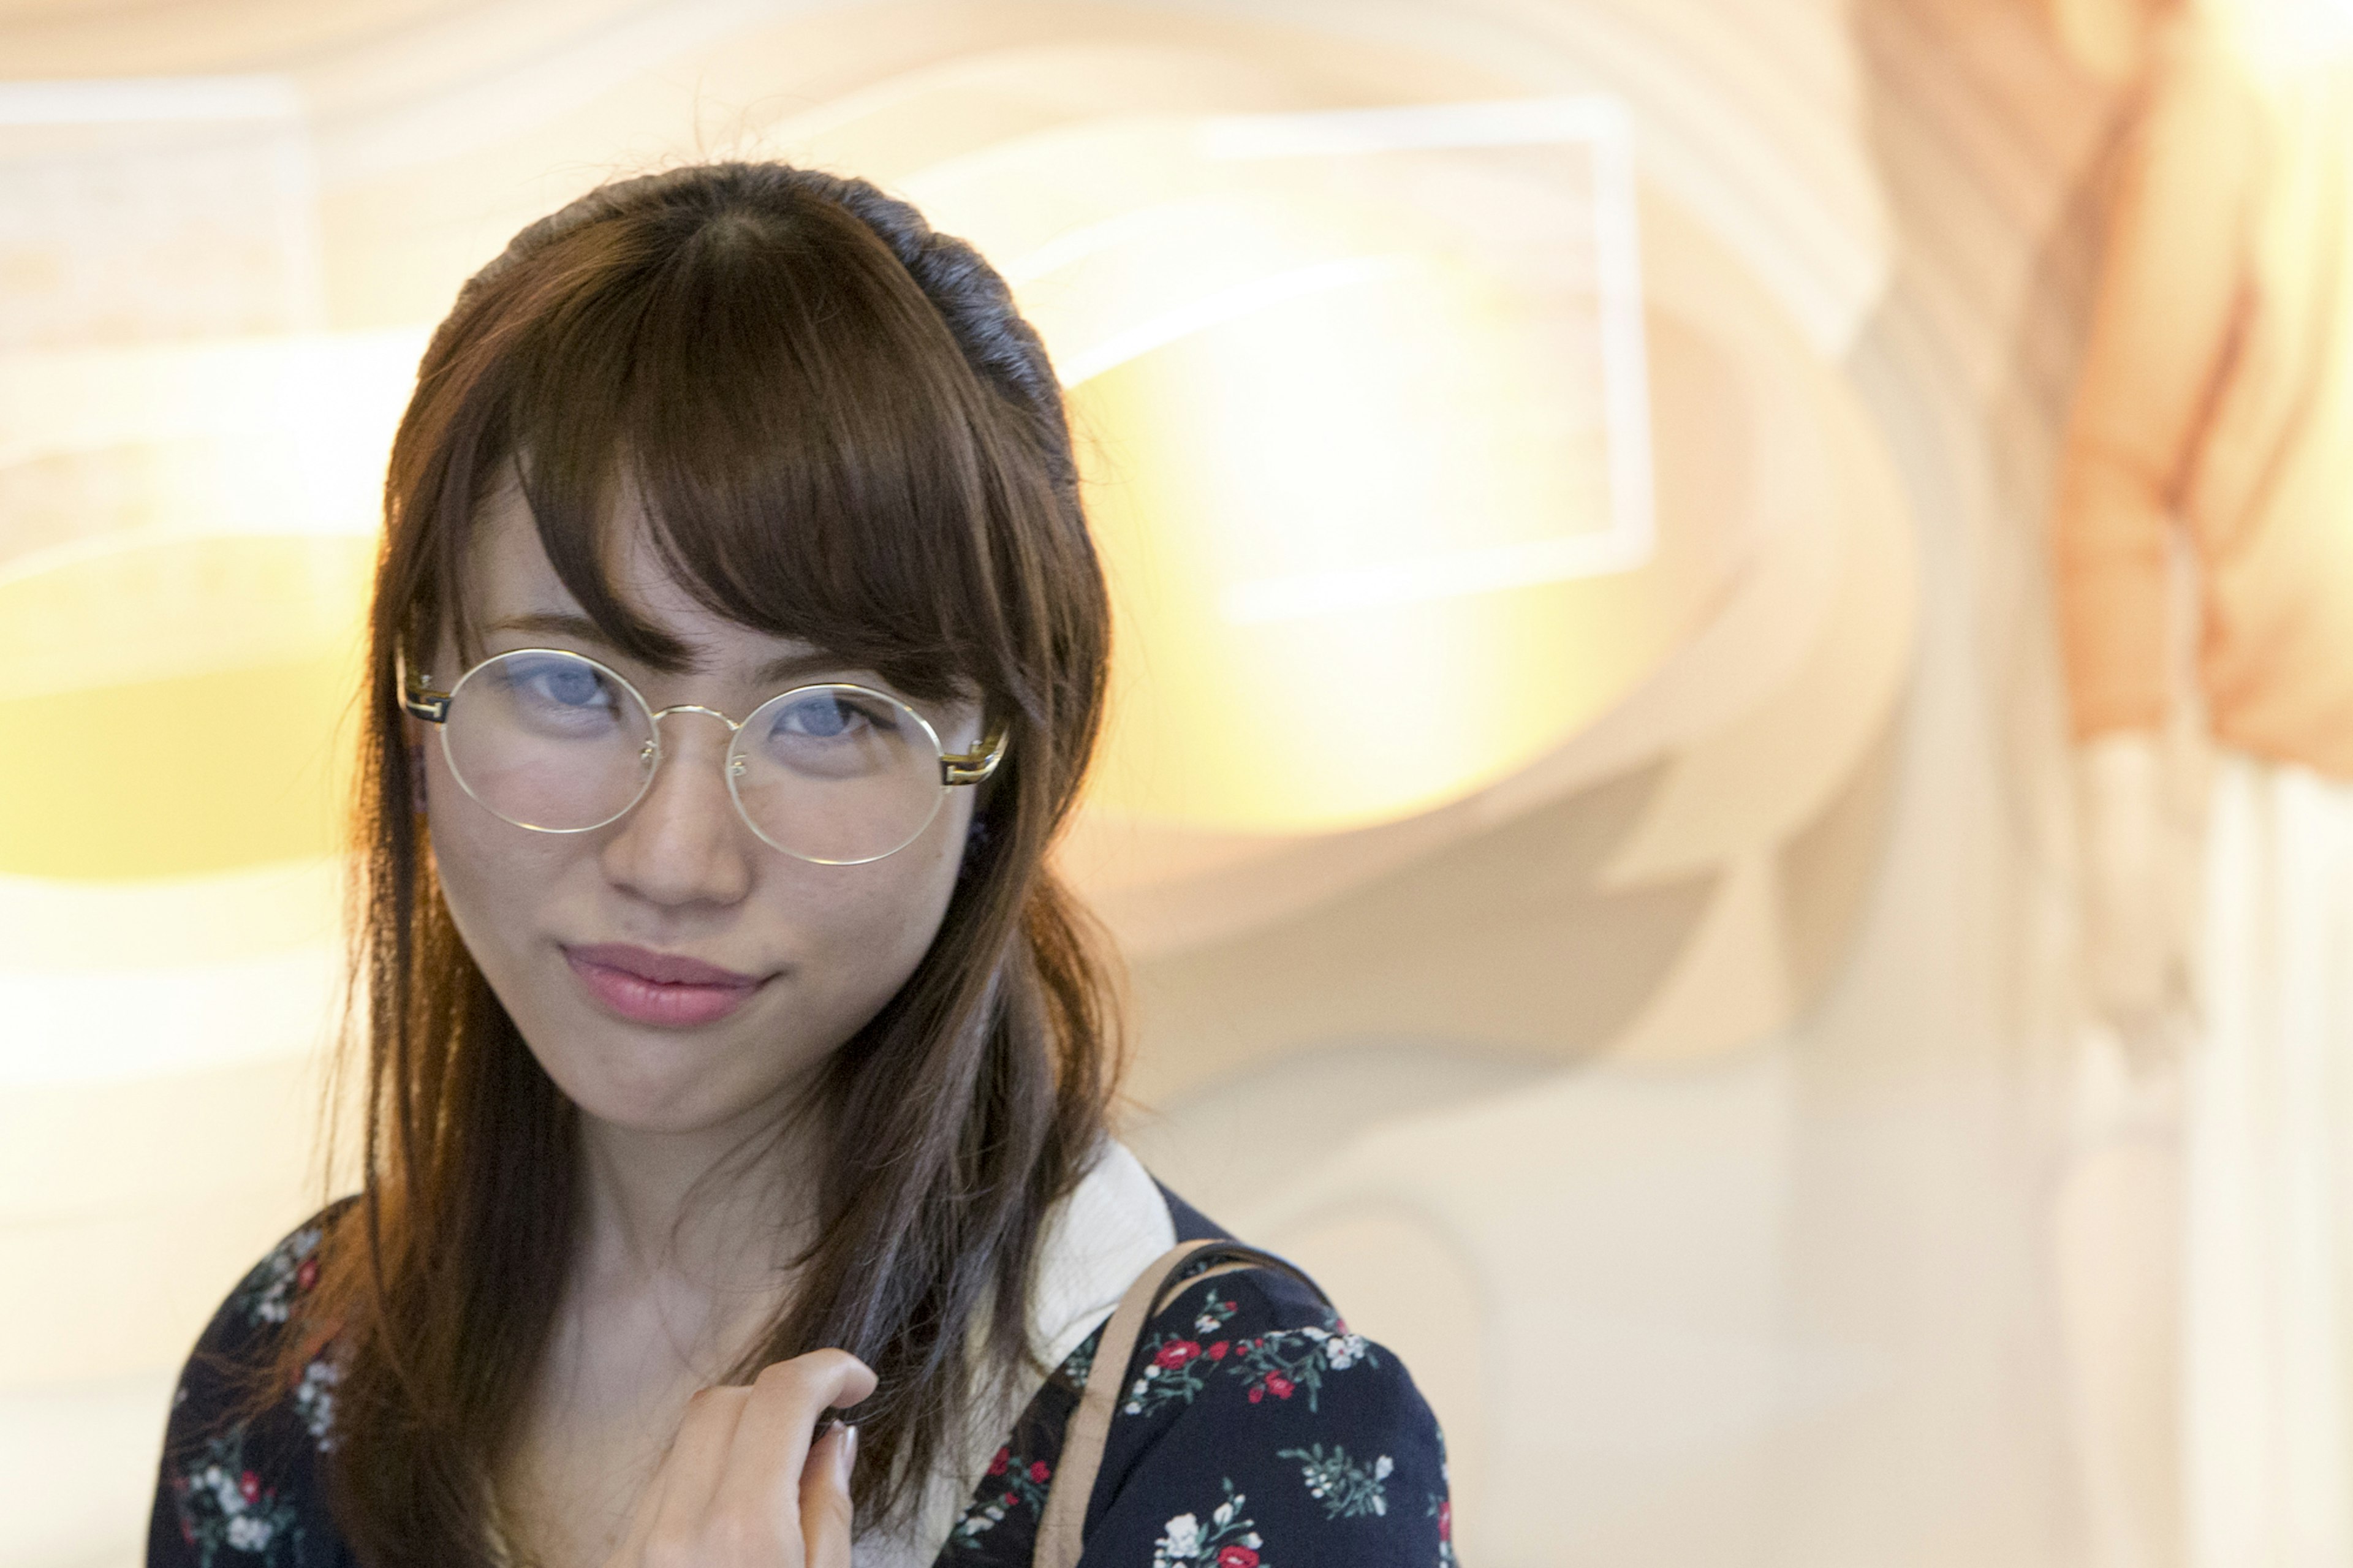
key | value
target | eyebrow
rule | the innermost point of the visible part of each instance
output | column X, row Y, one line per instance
column 777, row 671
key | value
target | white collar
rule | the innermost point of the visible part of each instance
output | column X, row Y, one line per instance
column 1094, row 1244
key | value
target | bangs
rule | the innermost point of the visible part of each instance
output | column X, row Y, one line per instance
column 804, row 439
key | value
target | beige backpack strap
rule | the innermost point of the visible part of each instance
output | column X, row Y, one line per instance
column 1073, row 1481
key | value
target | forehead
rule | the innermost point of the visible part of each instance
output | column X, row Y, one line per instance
column 510, row 578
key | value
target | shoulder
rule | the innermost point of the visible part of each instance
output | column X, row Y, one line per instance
column 1251, row 1427
column 1255, row 1429
column 272, row 1291
column 251, row 1327
column 239, row 1463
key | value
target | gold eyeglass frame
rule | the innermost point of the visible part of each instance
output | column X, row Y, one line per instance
column 420, row 700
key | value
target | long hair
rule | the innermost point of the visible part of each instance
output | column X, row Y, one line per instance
column 840, row 430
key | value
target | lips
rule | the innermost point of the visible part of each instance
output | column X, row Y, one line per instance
column 660, row 988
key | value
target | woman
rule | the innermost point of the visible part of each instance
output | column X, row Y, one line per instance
column 732, row 1055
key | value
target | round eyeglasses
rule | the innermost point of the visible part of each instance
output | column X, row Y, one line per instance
column 835, row 774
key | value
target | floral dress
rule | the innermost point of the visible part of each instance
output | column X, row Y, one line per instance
column 1258, row 1431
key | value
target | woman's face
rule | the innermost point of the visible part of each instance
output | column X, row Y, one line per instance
column 585, row 936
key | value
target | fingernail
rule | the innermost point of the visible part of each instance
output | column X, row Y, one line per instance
column 844, row 1452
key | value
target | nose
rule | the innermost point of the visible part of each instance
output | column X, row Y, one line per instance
column 684, row 843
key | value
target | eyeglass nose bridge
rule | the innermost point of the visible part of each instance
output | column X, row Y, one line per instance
column 652, row 749
column 733, row 725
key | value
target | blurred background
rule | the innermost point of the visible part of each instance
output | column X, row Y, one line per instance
column 1638, row 426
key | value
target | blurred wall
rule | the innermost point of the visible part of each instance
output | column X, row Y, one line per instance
column 1545, row 453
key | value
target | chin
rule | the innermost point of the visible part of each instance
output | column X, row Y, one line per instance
column 650, row 1081
column 666, row 1110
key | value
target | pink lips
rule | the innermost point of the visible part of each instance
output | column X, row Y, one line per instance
column 647, row 987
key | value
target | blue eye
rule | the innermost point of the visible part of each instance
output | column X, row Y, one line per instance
column 838, row 733
column 820, row 716
column 552, row 689
column 574, row 685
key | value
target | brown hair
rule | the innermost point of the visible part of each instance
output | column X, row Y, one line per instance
column 842, row 431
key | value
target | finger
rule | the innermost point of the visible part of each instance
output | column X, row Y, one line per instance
column 826, row 1512
column 679, row 1498
column 772, row 1442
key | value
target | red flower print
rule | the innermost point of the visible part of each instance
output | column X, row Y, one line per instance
column 1216, row 1352
column 1237, row 1557
column 1279, row 1386
column 1038, row 1470
column 997, row 1466
column 1008, row 1500
column 1257, row 1392
column 308, row 1275
column 249, row 1485
column 1446, row 1520
column 1175, row 1353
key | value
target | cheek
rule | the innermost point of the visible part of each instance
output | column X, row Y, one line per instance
column 492, row 874
column 878, row 919
column 868, row 927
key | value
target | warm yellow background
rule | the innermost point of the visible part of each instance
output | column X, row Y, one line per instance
column 1496, row 953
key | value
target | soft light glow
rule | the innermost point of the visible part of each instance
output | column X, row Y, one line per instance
column 265, row 435
column 1363, row 420
column 2285, row 39
column 182, row 703
column 176, row 100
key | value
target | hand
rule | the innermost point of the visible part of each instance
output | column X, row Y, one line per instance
column 2137, row 897
column 744, row 1487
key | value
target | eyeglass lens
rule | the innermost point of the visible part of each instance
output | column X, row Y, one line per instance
column 554, row 740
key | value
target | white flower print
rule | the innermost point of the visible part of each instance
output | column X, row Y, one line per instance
column 314, row 1400
column 250, row 1532
column 1343, row 1351
column 1180, row 1542
column 1345, row 1488
column 1230, row 1541
column 222, row 1503
column 267, row 1295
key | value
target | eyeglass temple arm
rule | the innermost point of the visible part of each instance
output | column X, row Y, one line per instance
column 971, row 767
column 417, row 696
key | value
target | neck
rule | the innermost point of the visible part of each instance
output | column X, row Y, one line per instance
column 707, row 1220
column 683, row 1258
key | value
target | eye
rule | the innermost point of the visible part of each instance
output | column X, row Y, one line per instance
column 838, row 733
column 547, row 694
column 559, row 683
column 574, row 686
column 826, row 716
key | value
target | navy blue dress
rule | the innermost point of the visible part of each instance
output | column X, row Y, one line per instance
column 1256, row 1431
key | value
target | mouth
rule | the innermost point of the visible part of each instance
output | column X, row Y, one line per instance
column 658, row 988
